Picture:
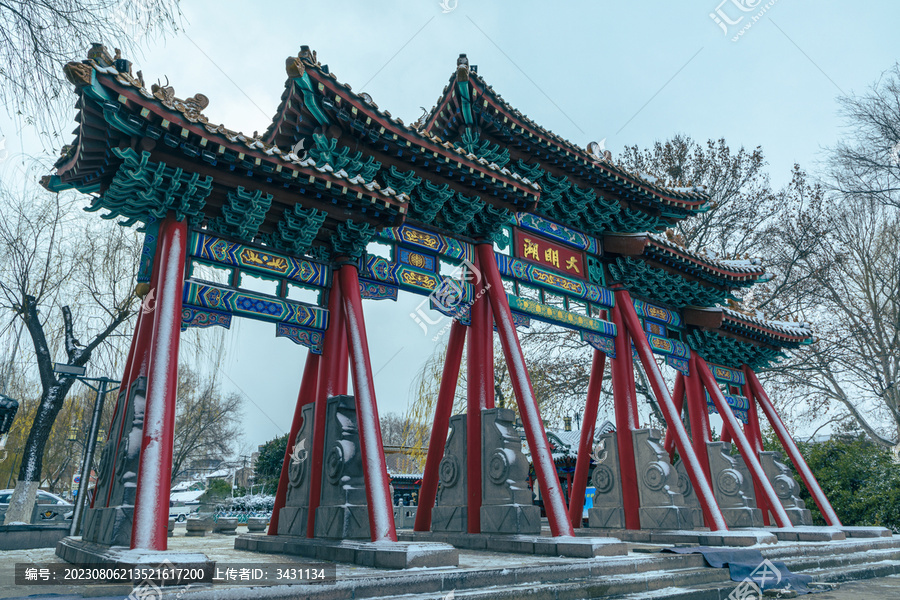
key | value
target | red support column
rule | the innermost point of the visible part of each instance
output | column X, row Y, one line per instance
column 678, row 399
column 151, row 506
column 711, row 513
column 428, row 491
column 306, row 395
column 544, row 467
column 586, row 441
column 698, row 413
column 378, row 493
column 479, row 396
column 752, row 461
column 625, row 409
column 791, row 448
column 754, row 434
column 328, row 383
column 136, row 366
column 139, row 359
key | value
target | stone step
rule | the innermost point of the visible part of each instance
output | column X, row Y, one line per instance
column 861, row 568
column 864, row 570
column 851, row 546
column 646, row 585
column 805, row 563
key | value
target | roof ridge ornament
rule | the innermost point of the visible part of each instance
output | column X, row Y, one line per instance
column 294, row 67
column 598, row 151
column 462, row 68
column 78, row 73
column 308, row 56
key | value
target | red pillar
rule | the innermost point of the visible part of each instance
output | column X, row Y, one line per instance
column 625, row 409
column 698, row 413
column 711, row 513
column 678, row 399
column 791, row 448
column 726, row 435
column 139, row 357
column 544, row 467
column 378, row 493
column 479, row 396
column 751, row 460
column 428, row 491
column 328, row 383
column 586, row 441
column 151, row 506
column 306, row 395
column 754, row 434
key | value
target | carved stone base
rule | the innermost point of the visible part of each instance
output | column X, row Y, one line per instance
column 742, row 517
column 108, row 526
column 786, row 488
column 292, row 520
column 604, row 517
column 732, row 487
column 511, row 518
column 575, row 547
column 691, row 502
column 666, row 517
column 75, row 550
column 342, row 522
column 662, row 505
column 393, row 555
column 449, row 518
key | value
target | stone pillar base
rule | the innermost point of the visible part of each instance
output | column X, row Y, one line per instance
column 381, row 555
column 449, row 518
column 511, row 518
column 607, row 518
column 342, row 522
column 666, row 517
column 292, row 520
column 108, row 526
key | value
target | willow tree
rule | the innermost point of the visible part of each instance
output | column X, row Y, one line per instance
column 66, row 278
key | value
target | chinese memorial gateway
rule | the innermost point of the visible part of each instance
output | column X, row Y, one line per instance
column 499, row 222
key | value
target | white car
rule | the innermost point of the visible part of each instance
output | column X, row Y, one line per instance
column 50, row 506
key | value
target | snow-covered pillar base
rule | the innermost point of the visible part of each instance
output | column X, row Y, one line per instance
column 151, row 507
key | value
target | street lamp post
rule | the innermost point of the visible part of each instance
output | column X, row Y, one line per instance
column 101, row 389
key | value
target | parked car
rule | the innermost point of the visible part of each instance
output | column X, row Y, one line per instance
column 49, row 507
column 181, row 510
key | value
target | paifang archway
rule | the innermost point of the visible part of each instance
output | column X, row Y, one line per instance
column 529, row 225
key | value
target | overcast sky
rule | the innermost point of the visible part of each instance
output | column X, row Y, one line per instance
column 626, row 72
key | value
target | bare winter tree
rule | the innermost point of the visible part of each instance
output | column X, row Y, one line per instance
column 737, row 185
column 207, row 422
column 856, row 315
column 866, row 163
column 843, row 250
column 62, row 277
column 37, row 38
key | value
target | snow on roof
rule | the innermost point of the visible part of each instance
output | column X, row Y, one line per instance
column 186, row 496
